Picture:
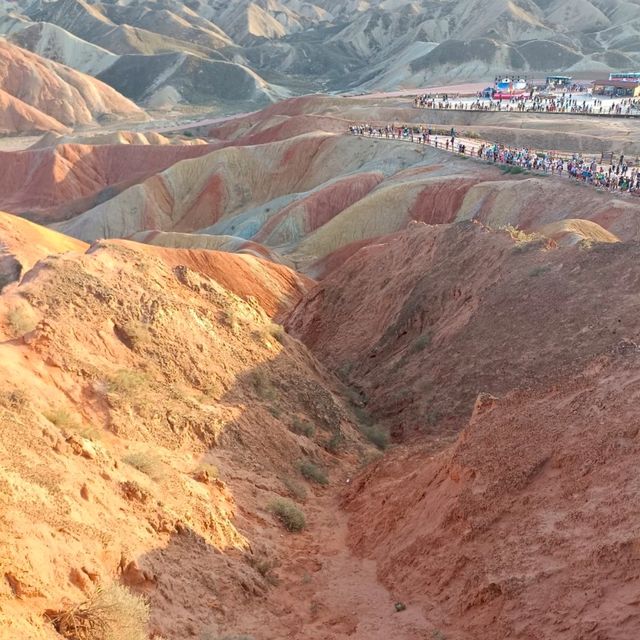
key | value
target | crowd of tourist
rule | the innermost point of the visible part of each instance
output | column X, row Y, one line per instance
column 611, row 174
column 564, row 103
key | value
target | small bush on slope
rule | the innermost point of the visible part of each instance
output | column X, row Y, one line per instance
column 110, row 614
column 146, row 463
column 295, row 489
column 313, row 472
column 289, row 514
column 126, row 382
column 377, row 435
column 61, row 418
column 303, row 428
column 20, row 321
column 262, row 385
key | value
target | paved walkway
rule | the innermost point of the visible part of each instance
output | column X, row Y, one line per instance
column 606, row 177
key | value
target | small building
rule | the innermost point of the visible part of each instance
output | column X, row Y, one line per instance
column 625, row 75
column 559, row 81
column 617, row 88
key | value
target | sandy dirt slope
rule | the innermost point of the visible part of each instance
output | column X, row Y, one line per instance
column 275, row 287
column 527, row 526
column 449, row 328
column 125, row 373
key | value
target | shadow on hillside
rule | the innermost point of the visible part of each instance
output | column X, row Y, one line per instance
column 199, row 589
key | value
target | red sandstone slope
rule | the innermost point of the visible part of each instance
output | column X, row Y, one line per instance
column 19, row 117
column 29, row 242
column 527, row 528
column 427, row 318
column 126, row 372
column 70, row 97
column 274, row 287
column 56, row 182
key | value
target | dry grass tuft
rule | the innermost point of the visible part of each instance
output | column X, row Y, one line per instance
column 313, row 472
column 302, row 427
column 377, row 436
column 62, row 418
column 262, row 385
column 295, row 489
column 147, row 463
column 291, row 516
column 21, row 321
column 110, row 614
column 277, row 331
column 126, row 382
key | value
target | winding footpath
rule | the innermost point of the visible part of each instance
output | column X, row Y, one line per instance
column 602, row 176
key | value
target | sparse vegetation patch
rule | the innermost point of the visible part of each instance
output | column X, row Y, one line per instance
column 377, row 435
column 110, row 614
column 291, row 516
column 126, row 382
column 303, row 427
column 313, row 472
column 295, row 489
column 262, row 385
column 61, row 418
column 335, row 443
column 21, row 321
column 421, row 343
column 145, row 462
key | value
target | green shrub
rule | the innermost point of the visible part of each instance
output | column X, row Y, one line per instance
column 313, row 472
column 291, row 516
column 421, row 343
column 295, row 489
column 303, row 428
column 62, row 418
column 264, row 566
column 538, row 271
column 377, row 436
column 262, row 385
column 335, row 443
column 276, row 412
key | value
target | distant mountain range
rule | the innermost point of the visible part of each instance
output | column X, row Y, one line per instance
column 249, row 53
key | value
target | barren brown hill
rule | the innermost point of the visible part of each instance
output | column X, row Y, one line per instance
column 466, row 309
column 526, row 527
column 507, row 532
column 23, row 243
column 149, row 418
column 68, row 96
column 21, row 118
column 169, row 445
